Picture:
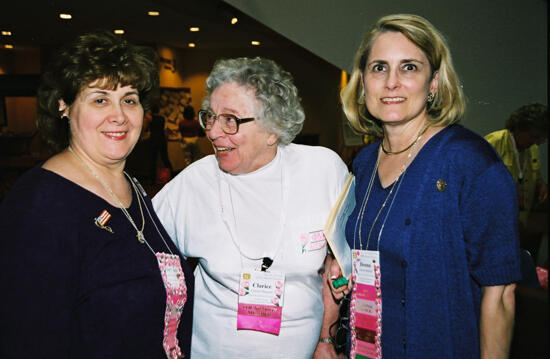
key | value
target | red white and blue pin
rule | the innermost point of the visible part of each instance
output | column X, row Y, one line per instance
column 102, row 219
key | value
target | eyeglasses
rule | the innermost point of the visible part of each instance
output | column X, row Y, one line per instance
column 229, row 123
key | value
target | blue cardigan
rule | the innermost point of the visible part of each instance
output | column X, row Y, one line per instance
column 439, row 246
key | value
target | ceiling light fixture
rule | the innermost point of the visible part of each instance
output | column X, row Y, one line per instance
column 255, row 43
column 6, row 33
column 234, row 21
column 194, row 29
column 153, row 13
column 65, row 16
column 119, row 31
column 191, row 44
column 8, row 46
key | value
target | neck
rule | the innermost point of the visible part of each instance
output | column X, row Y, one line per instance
column 105, row 170
column 399, row 136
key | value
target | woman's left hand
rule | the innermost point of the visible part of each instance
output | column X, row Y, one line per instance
column 333, row 272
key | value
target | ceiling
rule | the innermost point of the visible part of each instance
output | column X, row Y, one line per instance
column 36, row 23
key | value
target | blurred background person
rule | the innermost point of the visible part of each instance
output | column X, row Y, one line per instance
column 434, row 231
column 518, row 146
column 190, row 131
column 158, row 147
column 255, row 209
column 88, row 271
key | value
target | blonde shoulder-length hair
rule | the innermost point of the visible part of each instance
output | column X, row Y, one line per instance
column 448, row 105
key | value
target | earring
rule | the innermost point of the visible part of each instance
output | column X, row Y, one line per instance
column 66, row 118
column 361, row 99
column 430, row 98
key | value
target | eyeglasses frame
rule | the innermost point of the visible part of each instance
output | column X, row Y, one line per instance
column 238, row 121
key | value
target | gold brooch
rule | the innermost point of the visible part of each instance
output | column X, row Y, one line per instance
column 441, row 185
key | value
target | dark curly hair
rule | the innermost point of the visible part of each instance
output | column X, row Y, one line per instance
column 533, row 116
column 98, row 56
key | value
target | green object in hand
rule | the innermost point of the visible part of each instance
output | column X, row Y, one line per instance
column 339, row 282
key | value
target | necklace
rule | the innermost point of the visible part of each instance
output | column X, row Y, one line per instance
column 140, row 236
column 397, row 182
column 406, row 148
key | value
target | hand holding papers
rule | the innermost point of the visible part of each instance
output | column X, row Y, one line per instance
column 335, row 227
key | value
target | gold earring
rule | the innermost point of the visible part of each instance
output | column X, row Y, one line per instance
column 430, row 98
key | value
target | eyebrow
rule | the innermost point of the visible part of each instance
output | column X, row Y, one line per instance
column 105, row 92
column 402, row 61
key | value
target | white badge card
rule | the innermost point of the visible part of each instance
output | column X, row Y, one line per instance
column 261, row 297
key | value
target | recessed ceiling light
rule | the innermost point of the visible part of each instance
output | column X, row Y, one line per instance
column 119, row 31
column 255, row 43
column 153, row 13
column 191, row 44
column 194, row 29
column 6, row 33
column 234, row 21
column 65, row 16
column 8, row 46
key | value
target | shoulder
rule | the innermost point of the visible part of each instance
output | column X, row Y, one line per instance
column 305, row 151
column 496, row 136
column 365, row 156
column 315, row 157
column 40, row 197
column 467, row 150
column 197, row 175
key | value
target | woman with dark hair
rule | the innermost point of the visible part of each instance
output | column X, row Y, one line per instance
column 87, row 269
column 434, row 233
column 517, row 145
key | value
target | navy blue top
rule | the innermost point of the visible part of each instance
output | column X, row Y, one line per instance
column 439, row 246
column 73, row 290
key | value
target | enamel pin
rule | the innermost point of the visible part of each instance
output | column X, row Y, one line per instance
column 102, row 219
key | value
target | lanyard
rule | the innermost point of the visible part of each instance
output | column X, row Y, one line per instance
column 359, row 221
column 227, row 211
column 140, row 197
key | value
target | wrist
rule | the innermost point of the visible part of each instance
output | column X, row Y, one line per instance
column 327, row 340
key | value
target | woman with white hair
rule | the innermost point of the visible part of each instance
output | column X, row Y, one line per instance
column 253, row 215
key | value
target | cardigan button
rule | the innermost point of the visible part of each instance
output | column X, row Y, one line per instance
column 404, row 264
column 407, row 221
column 403, row 302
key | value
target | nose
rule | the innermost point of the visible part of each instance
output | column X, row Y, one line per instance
column 392, row 80
column 118, row 115
column 215, row 131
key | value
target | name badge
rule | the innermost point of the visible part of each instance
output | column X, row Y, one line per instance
column 261, row 296
column 176, row 296
column 366, row 305
column 312, row 241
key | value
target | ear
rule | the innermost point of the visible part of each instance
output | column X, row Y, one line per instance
column 434, row 82
column 272, row 139
column 63, row 108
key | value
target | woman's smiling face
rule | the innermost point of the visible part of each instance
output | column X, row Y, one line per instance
column 105, row 124
column 252, row 147
column 397, row 79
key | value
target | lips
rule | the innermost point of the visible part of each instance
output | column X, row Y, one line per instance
column 117, row 136
column 222, row 149
column 392, row 100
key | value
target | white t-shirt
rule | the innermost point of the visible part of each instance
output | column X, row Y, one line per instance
column 203, row 210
